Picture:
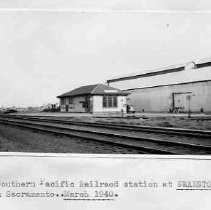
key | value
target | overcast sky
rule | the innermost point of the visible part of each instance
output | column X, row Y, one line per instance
column 46, row 53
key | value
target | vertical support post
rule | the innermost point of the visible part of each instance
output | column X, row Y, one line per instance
column 122, row 111
column 189, row 109
column 173, row 102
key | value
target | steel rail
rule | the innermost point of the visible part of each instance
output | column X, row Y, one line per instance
column 132, row 141
column 84, row 137
column 151, row 129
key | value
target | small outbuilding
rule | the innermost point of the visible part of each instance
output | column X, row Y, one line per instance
column 97, row 98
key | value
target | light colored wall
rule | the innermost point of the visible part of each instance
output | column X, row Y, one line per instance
column 160, row 99
column 62, row 108
column 76, row 107
column 184, row 76
column 98, row 104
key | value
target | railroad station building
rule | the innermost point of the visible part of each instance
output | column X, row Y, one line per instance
column 97, row 98
column 176, row 88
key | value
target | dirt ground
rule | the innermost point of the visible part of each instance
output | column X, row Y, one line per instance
column 20, row 140
column 177, row 122
column 14, row 139
column 197, row 121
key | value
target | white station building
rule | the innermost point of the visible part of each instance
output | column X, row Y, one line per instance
column 97, row 98
column 176, row 88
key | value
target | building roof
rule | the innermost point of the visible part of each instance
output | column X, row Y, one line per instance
column 168, row 69
column 149, row 72
column 97, row 89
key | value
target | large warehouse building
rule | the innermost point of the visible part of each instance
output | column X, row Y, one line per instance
column 177, row 88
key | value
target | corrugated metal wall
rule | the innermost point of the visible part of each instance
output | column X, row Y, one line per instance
column 161, row 99
column 156, row 93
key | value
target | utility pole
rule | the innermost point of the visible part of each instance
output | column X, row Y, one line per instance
column 189, row 100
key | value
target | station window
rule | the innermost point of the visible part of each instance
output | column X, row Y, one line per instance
column 110, row 104
column 104, row 101
column 70, row 100
column 109, row 101
column 85, row 104
column 115, row 101
column 62, row 101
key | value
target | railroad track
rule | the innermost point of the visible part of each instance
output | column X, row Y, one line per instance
column 145, row 144
column 151, row 129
